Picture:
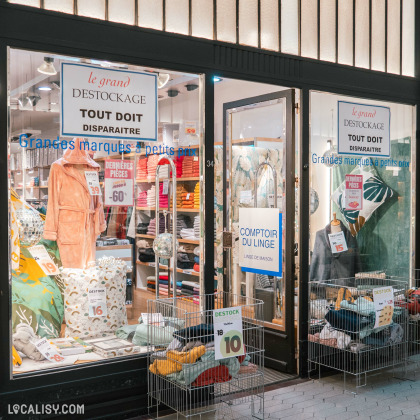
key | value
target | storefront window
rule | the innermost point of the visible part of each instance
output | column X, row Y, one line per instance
column 361, row 184
column 82, row 207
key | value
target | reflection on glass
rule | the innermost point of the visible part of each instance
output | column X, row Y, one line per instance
column 257, row 135
column 70, row 239
column 379, row 233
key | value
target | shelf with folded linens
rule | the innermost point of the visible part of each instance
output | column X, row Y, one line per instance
column 180, row 240
column 152, row 180
column 165, row 267
column 178, row 209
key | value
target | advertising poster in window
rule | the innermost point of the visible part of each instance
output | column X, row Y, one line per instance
column 108, row 103
column 119, row 182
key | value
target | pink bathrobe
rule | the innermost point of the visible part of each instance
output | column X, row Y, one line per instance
column 74, row 217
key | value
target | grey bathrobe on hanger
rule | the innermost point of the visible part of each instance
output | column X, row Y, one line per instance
column 327, row 266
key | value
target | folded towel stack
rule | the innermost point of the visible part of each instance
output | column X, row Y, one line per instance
column 197, row 196
column 178, row 165
column 141, row 168
column 197, row 227
column 152, row 165
column 142, row 228
column 151, row 283
column 151, row 196
column 180, row 189
column 182, row 222
column 185, row 261
column 187, row 233
column 163, row 198
column 187, row 166
column 146, row 255
column 142, row 199
column 187, row 200
column 196, row 166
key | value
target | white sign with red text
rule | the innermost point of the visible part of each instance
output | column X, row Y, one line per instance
column 108, row 103
column 353, row 194
column 363, row 129
column 119, row 182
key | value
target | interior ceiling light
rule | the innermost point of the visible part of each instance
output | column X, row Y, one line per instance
column 191, row 86
column 47, row 67
column 217, row 79
column 172, row 93
column 163, row 79
column 45, row 88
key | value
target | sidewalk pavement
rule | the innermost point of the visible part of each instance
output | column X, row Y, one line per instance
column 387, row 395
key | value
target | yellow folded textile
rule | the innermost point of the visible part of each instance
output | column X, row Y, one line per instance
column 343, row 294
column 175, row 360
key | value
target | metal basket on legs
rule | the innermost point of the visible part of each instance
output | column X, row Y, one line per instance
column 185, row 372
column 352, row 330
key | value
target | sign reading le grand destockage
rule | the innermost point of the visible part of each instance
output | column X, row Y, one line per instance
column 108, row 103
column 363, row 129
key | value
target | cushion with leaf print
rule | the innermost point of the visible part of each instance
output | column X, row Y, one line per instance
column 375, row 193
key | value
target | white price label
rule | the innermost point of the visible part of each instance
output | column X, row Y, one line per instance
column 188, row 197
column 153, row 319
column 195, row 159
column 383, row 300
column 44, row 347
column 165, row 187
column 271, row 200
column 97, row 302
column 338, row 242
column 245, row 197
column 152, row 264
column 43, row 259
column 92, row 180
column 228, row 334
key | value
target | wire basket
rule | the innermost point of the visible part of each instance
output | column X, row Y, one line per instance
column 349, row 333
column 185, row 373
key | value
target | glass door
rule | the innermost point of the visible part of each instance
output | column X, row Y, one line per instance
column 259, row 173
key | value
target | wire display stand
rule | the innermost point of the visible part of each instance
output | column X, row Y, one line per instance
column 183, row 373
column 345, row 333
column 172, row 275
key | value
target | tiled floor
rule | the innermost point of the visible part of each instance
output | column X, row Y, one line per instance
column 386, row 396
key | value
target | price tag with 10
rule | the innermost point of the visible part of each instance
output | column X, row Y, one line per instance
column 228, row 334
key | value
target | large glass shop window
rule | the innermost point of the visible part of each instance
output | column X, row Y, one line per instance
column 361, row 188
column 83, row 207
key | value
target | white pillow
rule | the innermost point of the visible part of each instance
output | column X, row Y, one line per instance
column 109, row 273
